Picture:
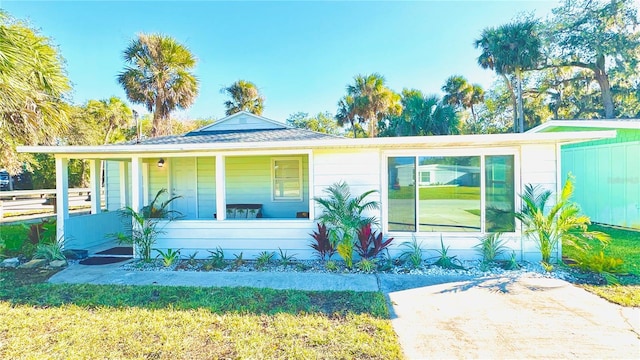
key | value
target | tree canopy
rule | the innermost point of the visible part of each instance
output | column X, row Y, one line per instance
column 321, row 122
column 511, row 49
column 368, row 101
column 159, row 75
column 423, row 115
column 244, row 96
column 33, row 85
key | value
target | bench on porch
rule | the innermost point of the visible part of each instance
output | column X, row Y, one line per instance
column 243, row 211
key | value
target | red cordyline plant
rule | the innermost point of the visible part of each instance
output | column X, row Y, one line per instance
column 370, row 242
column 323, row 244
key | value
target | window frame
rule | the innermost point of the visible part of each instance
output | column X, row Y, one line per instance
column 482, row 153
column 300, row 196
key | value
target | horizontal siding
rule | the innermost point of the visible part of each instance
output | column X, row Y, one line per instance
column 206, row 168
column 112, row 185
column 360, row 169
column 86, row 231
column 249, row 236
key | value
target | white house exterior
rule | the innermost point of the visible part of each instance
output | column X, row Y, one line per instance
column 246, row 161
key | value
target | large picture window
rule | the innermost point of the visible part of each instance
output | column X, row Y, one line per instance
column 448, row 196
column 287, row 178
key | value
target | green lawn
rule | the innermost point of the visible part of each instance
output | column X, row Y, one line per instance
column 42, row 321
column 624, row 244
column 437, row 193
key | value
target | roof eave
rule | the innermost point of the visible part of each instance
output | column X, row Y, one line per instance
column 501, row 140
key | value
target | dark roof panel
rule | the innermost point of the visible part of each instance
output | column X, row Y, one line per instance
column 239, row 136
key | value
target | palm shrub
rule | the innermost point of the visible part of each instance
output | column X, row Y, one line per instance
column 562, row 222
column 343, row 214
column 145, row 225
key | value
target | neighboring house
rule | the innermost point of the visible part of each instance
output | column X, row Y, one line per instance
column 246, row 162
column 606, row 171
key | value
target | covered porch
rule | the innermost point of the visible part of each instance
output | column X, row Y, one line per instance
column 265, row 197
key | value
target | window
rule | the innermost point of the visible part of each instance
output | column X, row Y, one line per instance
column 287, row 178
column 449, row 194
column 499, row 193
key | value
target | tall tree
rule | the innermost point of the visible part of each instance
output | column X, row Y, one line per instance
column 32, row 89
column 460, row 93
column 368, row 101
column 111, row 114
column 159, row 75
column 321, row 122
column 423, row 115
column 595, row 36
column 245, row 96
column 511, row 49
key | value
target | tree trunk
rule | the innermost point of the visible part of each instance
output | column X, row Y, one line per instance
column 602, row 78
column 513, row 103
column 156, row 129
column 520, row 104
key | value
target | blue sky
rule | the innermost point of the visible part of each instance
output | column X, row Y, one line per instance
column 300, row 54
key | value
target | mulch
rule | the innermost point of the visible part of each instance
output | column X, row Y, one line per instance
column 119, row 250
column 103, row 260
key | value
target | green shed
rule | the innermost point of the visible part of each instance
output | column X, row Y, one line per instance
column 607, row 172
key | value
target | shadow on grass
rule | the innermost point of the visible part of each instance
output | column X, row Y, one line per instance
column 28, row 288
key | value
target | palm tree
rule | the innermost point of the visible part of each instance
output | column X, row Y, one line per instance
column 368, row 101
column 424, row 115
column 245, row 96
column 158, row 76
column 511, row 49
column 460, row 93
column 32, row 87
column 111, row 114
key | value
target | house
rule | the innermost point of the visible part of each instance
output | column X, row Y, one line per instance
column 606, row 171
column 245, row 162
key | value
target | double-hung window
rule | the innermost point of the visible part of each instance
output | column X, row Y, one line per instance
column 287, row 178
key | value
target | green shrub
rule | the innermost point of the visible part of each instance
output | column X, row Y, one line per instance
column 49, row 252
column 563, row 222
column 445, row 261
column 412, row 253
column 168, row 257
column 490, row 247
column 215, row 260
column 264, row 258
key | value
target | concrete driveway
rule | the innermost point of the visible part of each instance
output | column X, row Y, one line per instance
column 510, row 317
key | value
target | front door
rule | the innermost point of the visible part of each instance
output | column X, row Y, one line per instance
column 184, row 184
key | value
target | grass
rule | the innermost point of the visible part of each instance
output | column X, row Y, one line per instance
column 625, row 244
column 437, row 193
column 79, row 321
column 12, row 231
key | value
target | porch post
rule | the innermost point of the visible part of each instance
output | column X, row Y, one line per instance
column 221, row 200
column 94, row 185
column 124, row 169
column 62, row 196
column 136, row 183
